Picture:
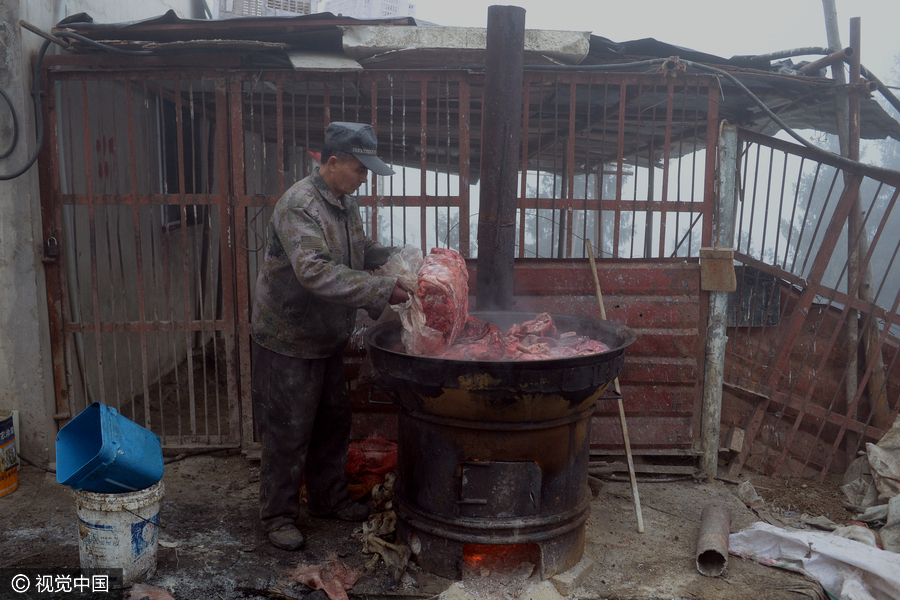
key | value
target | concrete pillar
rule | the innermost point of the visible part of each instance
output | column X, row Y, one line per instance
column 25, row 384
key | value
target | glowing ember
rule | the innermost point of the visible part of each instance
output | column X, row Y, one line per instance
column 484, row 560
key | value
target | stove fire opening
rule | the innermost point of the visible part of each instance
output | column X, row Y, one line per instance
column 483, row 560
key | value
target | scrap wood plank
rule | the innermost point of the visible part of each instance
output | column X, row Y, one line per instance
column 796, row 405
column 620, row 467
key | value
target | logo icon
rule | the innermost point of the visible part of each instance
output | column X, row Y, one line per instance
column 20, row 583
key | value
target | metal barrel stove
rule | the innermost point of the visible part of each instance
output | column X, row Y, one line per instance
column 495, row 453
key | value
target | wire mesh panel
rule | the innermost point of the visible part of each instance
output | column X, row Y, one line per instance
column 140, row 217
column 812, row 354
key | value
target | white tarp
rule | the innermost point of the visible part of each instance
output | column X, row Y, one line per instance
column 847, row 569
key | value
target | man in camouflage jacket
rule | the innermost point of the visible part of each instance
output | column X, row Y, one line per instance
column 314, row 278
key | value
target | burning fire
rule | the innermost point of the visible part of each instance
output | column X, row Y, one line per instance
column 500, row 558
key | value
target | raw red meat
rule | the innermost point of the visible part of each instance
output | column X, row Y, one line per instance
column 510, row 346
column 536, row 349
column 562, row 352
column 533, row 340
column 476, row 330
column 541, row 325
column 332, row 576
column 446, row 330
column 591, row 347
column 478, row 341
column 442, row 296
column 581, row 344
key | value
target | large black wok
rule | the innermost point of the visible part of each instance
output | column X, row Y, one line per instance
column 501, row 390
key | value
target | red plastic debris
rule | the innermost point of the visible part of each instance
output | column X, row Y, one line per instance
column 368, row 461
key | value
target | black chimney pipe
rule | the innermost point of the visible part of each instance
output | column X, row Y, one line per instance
column 501, row 143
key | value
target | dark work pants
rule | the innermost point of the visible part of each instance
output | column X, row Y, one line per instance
column 302, row 414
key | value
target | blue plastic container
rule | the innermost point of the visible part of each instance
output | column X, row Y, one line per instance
column 102, row 451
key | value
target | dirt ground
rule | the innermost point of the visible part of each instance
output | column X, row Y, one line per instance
column 211, row 546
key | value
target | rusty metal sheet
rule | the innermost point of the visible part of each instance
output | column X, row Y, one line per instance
column 637, row 311
column 500, row 489
column 215, row 60
column 668, row 277
column 171, row 27
column 667, row 342
column 641, row 398
column 661, row 370
column 646, row 433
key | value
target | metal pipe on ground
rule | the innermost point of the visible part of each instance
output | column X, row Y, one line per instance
column 712, row 544
column 501, row 144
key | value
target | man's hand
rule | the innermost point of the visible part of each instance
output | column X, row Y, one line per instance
column 399, row 295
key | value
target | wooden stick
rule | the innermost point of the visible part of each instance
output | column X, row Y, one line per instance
column 634, row 490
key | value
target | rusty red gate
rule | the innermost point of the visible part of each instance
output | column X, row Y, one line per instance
column 157, row 185
column 137, row 221
column 811, row 371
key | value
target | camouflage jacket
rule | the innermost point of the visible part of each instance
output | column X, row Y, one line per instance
column 314, row 276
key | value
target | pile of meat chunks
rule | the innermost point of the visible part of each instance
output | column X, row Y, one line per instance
column 442, row 295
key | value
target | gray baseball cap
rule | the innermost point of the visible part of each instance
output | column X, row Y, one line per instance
column 359, row 140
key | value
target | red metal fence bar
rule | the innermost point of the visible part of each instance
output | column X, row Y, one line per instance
column 239, row 201
column 465, row 164
column 136, row 227
column 51, row 219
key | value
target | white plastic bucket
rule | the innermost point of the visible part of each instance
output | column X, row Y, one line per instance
column 119, row 531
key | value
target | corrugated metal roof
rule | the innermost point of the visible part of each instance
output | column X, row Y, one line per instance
column 801, row 101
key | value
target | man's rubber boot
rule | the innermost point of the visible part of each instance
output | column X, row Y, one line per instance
column 286, row 537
